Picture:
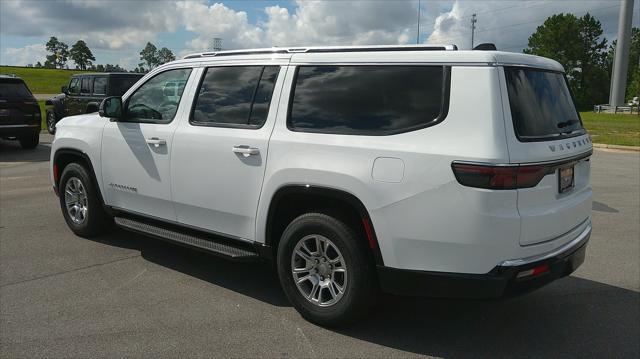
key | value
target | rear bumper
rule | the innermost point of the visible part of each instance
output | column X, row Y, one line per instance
column 18, row 130
column 499, row 282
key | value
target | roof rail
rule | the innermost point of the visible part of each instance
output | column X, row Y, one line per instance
column 296, row 50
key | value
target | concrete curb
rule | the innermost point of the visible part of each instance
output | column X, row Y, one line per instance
column 617, row 147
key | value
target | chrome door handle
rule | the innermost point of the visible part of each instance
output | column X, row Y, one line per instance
column 156, row 142
column 246, row 150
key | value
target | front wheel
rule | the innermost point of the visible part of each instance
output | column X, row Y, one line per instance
column 79, row 201
column 51, row 122
column 325, row 270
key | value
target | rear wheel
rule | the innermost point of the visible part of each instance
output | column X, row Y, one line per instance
column 80, row 204
column 51, row 122
column 325, row 270
column 29, row 141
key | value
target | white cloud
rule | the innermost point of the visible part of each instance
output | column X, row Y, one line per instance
column 29, row 54
column 312, row 23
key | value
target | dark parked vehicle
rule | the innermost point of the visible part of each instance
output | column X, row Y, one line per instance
column 84, row 94
column 19, row 112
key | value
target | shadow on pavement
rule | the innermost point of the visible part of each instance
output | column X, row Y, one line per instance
column 254, row 279
column 571, row 317
column 10, row 151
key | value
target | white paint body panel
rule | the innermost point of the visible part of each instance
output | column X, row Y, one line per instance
column 215, row 188
column 423, row 218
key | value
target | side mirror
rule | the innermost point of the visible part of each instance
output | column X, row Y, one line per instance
column 111, row 107
column 64, row 89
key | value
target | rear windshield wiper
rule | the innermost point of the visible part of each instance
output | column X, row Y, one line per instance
column 567, row 123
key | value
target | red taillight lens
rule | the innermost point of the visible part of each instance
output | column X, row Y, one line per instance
column 55, row 173
column 499, row 177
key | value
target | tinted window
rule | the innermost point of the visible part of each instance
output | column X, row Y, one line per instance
column 541, row 104
column 86, row 88
column 120, row 84
column 367, row 100
column 74, row 86
column 237, row 95
column 100, row 86
column 152, row 103
column 14, row 89
column 262, row 100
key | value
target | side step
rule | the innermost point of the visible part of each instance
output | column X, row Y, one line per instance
column 239, row 251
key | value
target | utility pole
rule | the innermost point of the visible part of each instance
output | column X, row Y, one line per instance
column 418, row 30
column 474, row 19
column 621, row 59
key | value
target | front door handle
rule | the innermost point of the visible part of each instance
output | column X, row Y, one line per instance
column 156, row 142
column 246, row 150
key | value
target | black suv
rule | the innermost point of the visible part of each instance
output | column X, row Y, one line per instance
column 19, row 112
column 84, row 94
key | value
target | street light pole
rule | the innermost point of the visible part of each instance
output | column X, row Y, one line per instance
column 474, row 19
column 621, row 59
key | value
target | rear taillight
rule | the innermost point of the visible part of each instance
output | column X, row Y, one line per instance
column 499, row 177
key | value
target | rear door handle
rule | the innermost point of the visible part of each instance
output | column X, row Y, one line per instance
column 156, row 142
column 246, row 150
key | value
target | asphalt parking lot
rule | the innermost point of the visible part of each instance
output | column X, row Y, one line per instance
column 124, row 295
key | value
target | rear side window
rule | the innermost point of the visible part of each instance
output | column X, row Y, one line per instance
column 237, row 96
column 541, row 105
column 368, row 100
column 14, row 89
column 100, row 86
column 120, row 84
column 86, row 86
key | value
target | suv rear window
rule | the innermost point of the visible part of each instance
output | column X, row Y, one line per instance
column 118, row 85
column 541, row 105
column 368, row 100
column 14, row 89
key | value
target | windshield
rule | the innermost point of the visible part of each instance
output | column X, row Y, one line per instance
column 14, row 89
column 541, row 104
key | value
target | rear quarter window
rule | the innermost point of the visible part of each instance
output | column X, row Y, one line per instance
column 368, row 100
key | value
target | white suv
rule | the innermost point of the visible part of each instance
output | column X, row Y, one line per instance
column 417, row 170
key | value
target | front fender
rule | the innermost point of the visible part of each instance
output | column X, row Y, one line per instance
column 57, row 105
column 83, row 134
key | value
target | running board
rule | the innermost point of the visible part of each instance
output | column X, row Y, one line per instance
column 212, row 245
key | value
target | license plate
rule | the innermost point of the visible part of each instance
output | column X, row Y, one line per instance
column 567, row 180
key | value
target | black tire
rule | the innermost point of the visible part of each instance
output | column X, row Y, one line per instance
column 29, row 141
column 360, row 289
column 51, row 122
column 96, row 219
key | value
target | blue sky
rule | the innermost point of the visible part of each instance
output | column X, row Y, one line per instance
column 117, row 30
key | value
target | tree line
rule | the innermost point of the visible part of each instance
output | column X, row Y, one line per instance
column 577, row 44
column 83, row 57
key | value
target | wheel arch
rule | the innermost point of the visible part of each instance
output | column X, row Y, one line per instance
column 56, row 105
column 290, row 201
column 65, row 156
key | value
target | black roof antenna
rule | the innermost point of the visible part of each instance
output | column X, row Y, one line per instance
column 487, row 46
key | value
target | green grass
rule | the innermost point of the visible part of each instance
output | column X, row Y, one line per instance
column 44, row 115
column 39, row 80
column 612, row 129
